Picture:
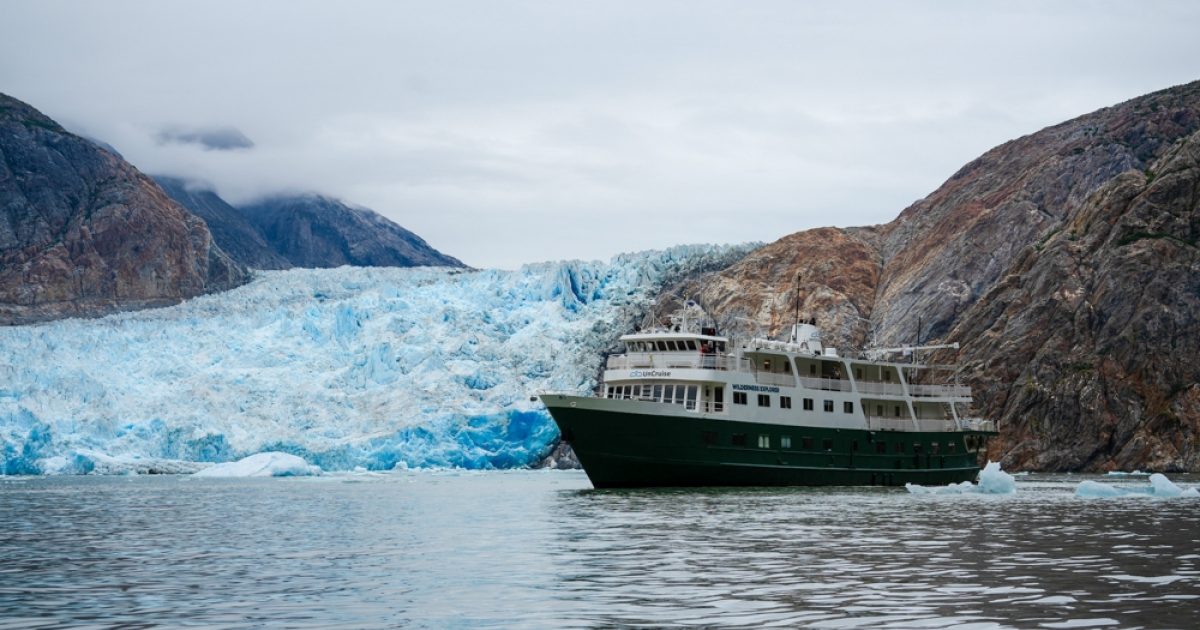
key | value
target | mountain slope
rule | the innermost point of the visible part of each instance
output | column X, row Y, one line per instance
column 230, row 228
column 84, row 233
column 1064, row 263
column 316, row 231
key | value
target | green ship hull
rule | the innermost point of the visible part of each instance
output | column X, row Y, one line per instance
column 623, row 449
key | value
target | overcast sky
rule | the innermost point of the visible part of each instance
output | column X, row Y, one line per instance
column 513, row 132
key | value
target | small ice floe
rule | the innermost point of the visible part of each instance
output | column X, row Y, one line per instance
column 992, row 480
column 1122, row 473
column 1160, row 487
column 269, row 464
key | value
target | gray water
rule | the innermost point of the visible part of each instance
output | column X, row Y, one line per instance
column 541, row 549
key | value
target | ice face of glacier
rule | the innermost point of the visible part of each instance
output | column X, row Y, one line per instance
column 371, row 367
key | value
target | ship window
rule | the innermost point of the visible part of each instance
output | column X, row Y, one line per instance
column 625, row 391
column 858, row 373
column 952, row 448
column 879, row 410
column 808, row 404
column 881, row 447
column 738, row 439
column 806, row 443
column 935, row 448
column 766, row 365
column 709, row 437
column 739, row 398
column 785, row 441
column 662, row 346
column 899, row 447
column 721, row 346
column 828, row 405
column 812, row 369
column 887, row 376
column 764, row 400
column 897, row 411
column 657, row 395
column 916, row 448
column 848, row 407
column 764, row 441
column 691, row 345
column 854, row 446
column 785, row 402
column 669, row 393
column 827, row 444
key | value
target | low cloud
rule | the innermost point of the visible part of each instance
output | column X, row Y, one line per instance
column 214, row 139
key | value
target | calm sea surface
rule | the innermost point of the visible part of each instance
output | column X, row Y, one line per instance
column 541, row 549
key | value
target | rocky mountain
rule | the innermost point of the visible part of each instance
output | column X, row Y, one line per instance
column 230, row 228
column 317, row 231
column 83, row 233
column 1067, row 264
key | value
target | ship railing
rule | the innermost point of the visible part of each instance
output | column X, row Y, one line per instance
column 979, row 424
column 712, row 407
column 773, row 378
column 684, row 360
column 917, row 391
column 826, row 384
column 905, row 423
column 940, row 391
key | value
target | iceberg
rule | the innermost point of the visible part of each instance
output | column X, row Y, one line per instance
column 373, row 367
column 262, row 465
column 1160, row 487
column 992, row 480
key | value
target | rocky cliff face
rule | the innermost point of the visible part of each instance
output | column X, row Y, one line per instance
column 316, row 231
column 232, row 232
column 83, row 233
column 1066, row 264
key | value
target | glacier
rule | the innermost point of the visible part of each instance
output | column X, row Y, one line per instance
column 351, row 367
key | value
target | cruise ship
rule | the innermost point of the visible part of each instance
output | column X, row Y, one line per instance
column 685, row 406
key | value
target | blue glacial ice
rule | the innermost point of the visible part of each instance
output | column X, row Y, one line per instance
column 1160, row 488
column 992, row 480
column 371, row 367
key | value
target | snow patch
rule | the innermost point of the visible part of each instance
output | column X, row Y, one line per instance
column 992, row 480
column 263, row 465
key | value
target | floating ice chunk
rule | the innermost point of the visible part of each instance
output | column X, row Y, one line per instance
column 1121, row 473
column 1160, row 487
column 992, row 480
column 270, row 464
column 1167, row 489
column 1096, row 490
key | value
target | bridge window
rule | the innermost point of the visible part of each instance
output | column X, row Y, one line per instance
column 848, row 407
column 785, row 402
column 808, row 404
column 829, row 405
column 739, row 398
column 764, row 400
column 691, row 345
